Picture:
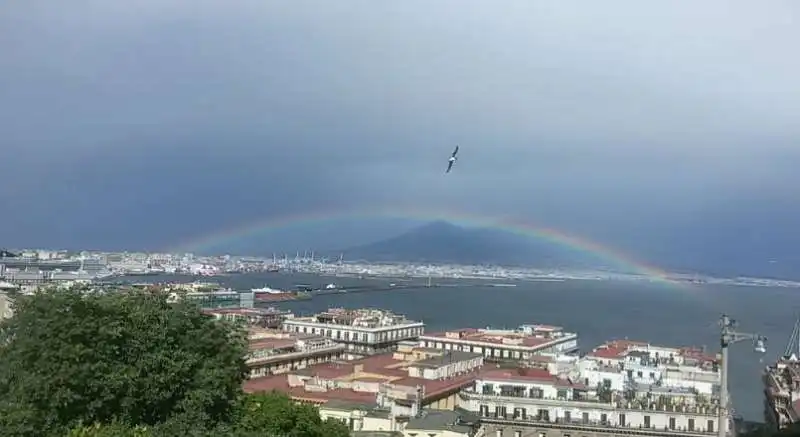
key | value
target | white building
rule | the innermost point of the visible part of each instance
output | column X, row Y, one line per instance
column 525, row 402
column 445, row 365
column 520, row 344
column 277, row 352
column 363, row 331
column 623, row 364
column 593, row 373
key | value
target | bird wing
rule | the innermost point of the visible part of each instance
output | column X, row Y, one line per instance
column 449, row 166
column 455, row 152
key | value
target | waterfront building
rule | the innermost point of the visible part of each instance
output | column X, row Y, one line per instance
column 532, row 402
column 262, row 317
column 364, row 332
column 275, row 352
column 623, row 364
column 522, row 344
column 401, row 384
column 620, row 387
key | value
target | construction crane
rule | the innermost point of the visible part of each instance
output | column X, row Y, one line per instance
column 729, row 336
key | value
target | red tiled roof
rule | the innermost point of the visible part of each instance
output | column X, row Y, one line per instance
column 477, row 335
column 331, row 370
column 377, row 362
column 267, row 384
column 281, row 383
column 270, row 343
column 531, row 374
column 370, row 379
column 436, row 387
column 608, row 352
column 527, row 375
column 338, row 394
column 383, row 365
column 614, row 349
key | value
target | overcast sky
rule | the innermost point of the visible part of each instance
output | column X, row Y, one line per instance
column 151, row 122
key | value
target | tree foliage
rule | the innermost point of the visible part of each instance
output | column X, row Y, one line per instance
column 276, row 414
column 261, row 415
column 70, row 358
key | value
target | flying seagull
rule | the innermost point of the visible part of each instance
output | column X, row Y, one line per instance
column 452, row 160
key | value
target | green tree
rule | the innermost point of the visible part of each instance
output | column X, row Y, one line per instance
column 276, row 414
column 70, row 358
column 111, row 430
column 260, row 415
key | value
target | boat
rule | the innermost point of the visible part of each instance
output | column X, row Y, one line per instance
column 780, row 380
column 267, row 294
column 266, row 289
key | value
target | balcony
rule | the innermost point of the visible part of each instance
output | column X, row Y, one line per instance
column 264, row 357
column 577, row 426
column 640, row 405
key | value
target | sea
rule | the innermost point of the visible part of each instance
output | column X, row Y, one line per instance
column 663, row 314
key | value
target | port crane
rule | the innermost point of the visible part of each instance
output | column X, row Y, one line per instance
column 728, row 336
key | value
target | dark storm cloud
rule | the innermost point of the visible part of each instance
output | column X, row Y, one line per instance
column 621, row 120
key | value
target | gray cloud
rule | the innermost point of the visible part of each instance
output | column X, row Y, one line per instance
column 611, row 119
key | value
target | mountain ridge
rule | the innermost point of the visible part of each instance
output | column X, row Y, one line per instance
column 443, row 242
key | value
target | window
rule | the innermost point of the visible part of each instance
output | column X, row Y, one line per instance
column 603, row 418
column 622, row 420
column 671, row 423
column 567, row 416
column 647, row 421
column 710, row 426
column 691, row 424
column 542, row 414
column 585, row 417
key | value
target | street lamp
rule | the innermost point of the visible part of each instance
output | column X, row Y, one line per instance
column 729, row 336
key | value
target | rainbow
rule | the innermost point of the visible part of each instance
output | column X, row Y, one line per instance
column 616, row 259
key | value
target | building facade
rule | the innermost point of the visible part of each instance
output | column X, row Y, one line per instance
column 276, row 352
column 533, row 402
column 522, row 344
column 364, row 332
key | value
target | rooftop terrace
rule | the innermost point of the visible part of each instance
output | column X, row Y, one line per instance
column 361, row 318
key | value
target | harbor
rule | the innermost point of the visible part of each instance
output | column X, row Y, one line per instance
column 451, row 302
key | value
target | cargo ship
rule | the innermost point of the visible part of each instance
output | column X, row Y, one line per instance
column 267, row 294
